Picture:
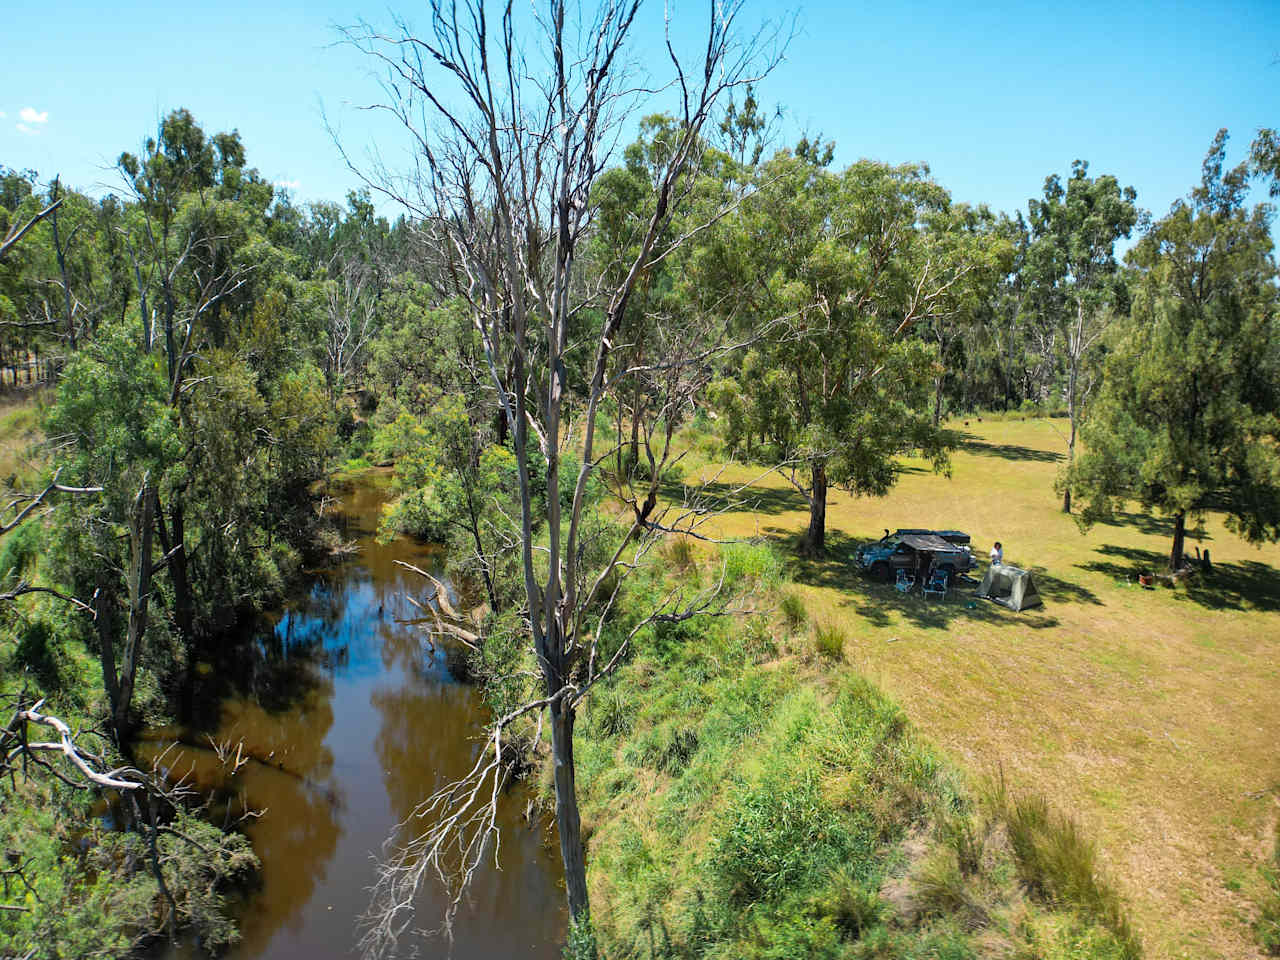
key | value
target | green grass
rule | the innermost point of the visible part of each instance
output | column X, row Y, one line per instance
column 758, row 803
column 20, row 458
column 829, row 640
column 1267, row 925
column 1170, row 695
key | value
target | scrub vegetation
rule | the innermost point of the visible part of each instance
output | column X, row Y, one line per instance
column 650, row 377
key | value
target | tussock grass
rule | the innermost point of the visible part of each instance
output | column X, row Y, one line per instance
column 678, row 552
column 754, row 803
column 1057, row 863
column 793, row 611
column 941, row 890
column 829, row 640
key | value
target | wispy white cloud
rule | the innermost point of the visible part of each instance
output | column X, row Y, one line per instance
column 32, row 115
column 23, row 128
column 289, row 184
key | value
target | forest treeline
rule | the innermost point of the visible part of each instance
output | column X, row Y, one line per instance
column 205, row 353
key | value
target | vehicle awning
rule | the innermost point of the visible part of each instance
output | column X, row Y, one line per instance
column 929, row 543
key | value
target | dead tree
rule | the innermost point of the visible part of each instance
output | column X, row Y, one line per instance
column 151, row 795
column 350, row 315
column 510, row 138
column 16, row 232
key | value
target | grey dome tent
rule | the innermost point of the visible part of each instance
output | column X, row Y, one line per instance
column 1010, row 586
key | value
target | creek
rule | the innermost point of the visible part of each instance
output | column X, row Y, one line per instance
column 352, row 717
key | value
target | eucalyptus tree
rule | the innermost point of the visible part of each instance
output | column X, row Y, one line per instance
column 672, row 286
column 1073, row 273
column 64, row 279
column 1188, row 418
column 196, row 410
column 513, row 118
column 844, row 381
column 970, row 244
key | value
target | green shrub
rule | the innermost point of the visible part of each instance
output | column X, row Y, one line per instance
column 779, row 837
column 793, row 610
column 829, row 640
column 581, row 941
column 20, row 549
column 39, row 651
column 790, row 933
column 750, row 565
column 851, row 904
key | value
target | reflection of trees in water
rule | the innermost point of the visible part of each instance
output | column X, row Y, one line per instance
column 427, row 738
column 280, row 687
column 290, row 776
column 298, row 835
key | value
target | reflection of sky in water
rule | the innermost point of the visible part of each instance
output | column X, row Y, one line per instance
column 345, row 626
column 371, row 723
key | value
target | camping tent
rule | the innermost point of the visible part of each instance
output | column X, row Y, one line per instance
column 1010, row 586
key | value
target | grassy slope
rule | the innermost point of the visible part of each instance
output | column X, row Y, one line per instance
column 1151, row 714
column 19, row 430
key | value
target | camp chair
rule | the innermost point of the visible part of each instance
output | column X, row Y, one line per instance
column 937, row 584
column 905, row 581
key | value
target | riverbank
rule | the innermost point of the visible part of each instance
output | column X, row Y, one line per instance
column 348, row 716
column 748, row 795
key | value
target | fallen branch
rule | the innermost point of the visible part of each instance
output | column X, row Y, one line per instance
column 67, row 747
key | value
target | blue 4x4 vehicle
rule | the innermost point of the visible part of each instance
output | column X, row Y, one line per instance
column 912, row 550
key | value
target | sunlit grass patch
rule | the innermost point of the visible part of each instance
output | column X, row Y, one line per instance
column 829, row 640
column 20, row 433
column 1168, row 694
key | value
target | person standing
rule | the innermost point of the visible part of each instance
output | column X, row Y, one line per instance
column 997, row 554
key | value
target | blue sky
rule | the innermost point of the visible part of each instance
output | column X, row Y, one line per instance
column 994, row 97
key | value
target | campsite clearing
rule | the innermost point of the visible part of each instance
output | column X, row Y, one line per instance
column 1151, row 715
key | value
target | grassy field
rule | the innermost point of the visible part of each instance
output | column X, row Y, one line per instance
column 19, row 429
column 1152, row 715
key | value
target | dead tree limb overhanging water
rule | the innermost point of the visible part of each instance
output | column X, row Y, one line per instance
column 510, row 137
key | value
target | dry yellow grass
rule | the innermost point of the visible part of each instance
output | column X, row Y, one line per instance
column 1154, row 715
column 19, row 430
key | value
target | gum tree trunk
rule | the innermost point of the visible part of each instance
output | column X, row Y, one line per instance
column 568, row 823
column 815, row 538
column 1179, row 541
column 141, row 525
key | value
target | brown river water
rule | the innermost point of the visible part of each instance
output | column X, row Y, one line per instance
column 352, row 718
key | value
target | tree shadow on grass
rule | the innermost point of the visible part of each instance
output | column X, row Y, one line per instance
column 1153, row 526
column 1250, row 585
column 719, row 495
column 971, row 443
column 1063, row 591
column 875, row 601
